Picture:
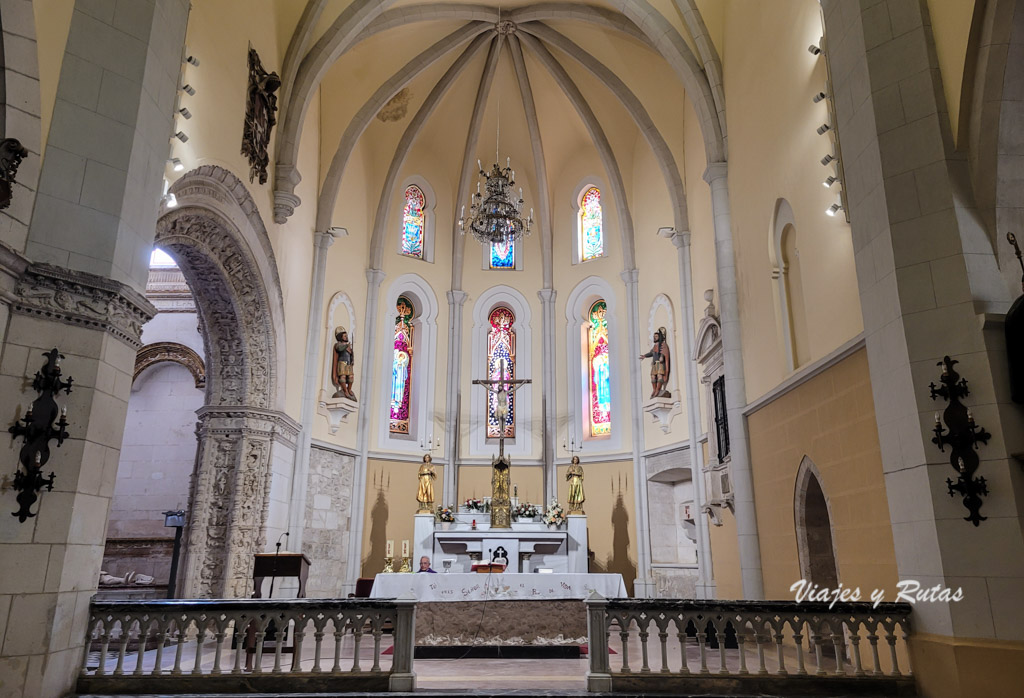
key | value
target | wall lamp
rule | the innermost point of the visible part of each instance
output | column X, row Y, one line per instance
column 170, row 200
column 833, row 209
column 814, row 50
column 827, row 159
column 823, row 129
column 176, row 164
column 192, row 60
column 185, row 112
column 818, row 97
column 189, row 90
column 829, row 181
column 181, row 136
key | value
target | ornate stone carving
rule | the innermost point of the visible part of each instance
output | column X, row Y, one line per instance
column 11, row 154
column 260, row 116
column 171, row 351
column 82, row 299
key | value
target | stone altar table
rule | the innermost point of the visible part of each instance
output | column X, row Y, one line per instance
column 505, row 586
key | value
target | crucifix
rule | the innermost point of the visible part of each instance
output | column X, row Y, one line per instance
column 501, row 504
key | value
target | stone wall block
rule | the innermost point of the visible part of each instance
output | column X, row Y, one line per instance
column 20, row 51
column 80, row 82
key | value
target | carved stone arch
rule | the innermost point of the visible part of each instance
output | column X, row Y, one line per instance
column 221, row 246
column 815, row 536
column 161, row 352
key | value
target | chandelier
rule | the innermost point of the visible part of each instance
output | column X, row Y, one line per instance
column 496, row 215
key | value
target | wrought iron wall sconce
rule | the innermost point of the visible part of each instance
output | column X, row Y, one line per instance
column 37, row 428
column 962, row 437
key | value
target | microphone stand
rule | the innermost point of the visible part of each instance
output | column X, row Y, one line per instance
column 273, row 572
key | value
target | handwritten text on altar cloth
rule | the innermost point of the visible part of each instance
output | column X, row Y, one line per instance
column 909, row 591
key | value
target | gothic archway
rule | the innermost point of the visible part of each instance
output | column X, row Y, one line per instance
column 221, row 246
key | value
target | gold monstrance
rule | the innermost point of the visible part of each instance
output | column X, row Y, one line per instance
column 501, row 504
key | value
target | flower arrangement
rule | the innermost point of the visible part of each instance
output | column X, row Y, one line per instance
column 445, row 514
column 526, row 511
column 555, row 514
column 474, row 505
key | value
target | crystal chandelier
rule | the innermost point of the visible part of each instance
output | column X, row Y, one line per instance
column 496, row 215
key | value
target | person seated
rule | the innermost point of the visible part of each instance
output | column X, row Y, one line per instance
column 425, row 565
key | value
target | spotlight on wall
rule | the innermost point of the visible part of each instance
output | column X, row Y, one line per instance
column 170, row 200
column 188, row 89
column 814, row 50
column 827, row 159
column 185, row 112
column 192, row 60
column 829, row 181
column 181, row 136
column 176, row 164
column 823, row 129
column 818, row 97
column 833, row 209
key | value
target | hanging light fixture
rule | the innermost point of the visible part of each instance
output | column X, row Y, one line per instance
column 496, row 213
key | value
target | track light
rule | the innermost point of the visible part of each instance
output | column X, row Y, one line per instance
column 188, row 89
column 829, row 181
column 181, row 136
column 813, row 48
column 185, row 112
column 822, row 129
column 176, row 164
column 827, row 159
column 192, row 60
column 833, row 209
column 818, row 97
column 170, row 200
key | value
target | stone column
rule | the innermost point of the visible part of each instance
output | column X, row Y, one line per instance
column 548, row 403
column 716, row 175
column 450, row 482
column 374, row 278
column 705, row 568
column 314, row 328
column 643, row 586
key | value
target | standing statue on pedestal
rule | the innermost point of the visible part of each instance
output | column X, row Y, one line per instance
column 341, row 365
column 661, row 366
column 575, row 478
column 425, row 492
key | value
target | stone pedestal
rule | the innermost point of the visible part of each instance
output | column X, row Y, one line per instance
column 579, row 561
column 423, row 541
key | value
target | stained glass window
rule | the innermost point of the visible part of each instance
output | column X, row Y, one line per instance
column 401, row 368
column 413, row 222
column 600, row 384
column 503, row 255
column 501, row 365
column 591, row 228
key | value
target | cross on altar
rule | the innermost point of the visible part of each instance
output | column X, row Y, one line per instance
column 501, row 504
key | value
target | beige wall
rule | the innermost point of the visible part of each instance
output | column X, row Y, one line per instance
column 831, row 420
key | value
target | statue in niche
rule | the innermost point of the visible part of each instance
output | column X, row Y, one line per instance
column 661, row 365
column 425, row 492
column 11, row 155
column 260, row 109
column 341, row 365
column 575, row 478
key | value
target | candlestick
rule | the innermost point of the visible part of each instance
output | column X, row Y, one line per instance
column 937, row 418
column 405, row 548
column 389, row 549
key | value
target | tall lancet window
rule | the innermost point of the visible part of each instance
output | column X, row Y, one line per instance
column 401, row 368
column 503, row 255
column 413, row 222
column 501, row 364
column 600, row 382
column 591, row 230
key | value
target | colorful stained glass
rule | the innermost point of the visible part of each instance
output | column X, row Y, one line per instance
column 413, row 222
column 401, row 368
column 503, row 255
column 591, row 229
column 501, row 365
column 600, row 372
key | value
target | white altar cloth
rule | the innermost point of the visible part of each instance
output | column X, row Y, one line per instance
column 503, row 586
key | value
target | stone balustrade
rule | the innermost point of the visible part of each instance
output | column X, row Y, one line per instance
column 228, row 645
column 748, row 647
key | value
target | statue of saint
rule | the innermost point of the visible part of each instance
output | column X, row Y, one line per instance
column 341, row 365
column 661, row 366
column 575, row 478
column 425, row 492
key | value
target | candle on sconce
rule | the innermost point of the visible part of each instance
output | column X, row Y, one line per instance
column 64, row 411
column 405, row 548
column 389, row 549
column 937, row 422
column 970, row 418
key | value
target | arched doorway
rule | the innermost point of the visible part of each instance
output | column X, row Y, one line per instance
column 815, row 544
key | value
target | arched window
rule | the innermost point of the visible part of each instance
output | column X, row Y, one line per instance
column 591, row 229
column 501, row 364
column 413, row 222
column 503, row 255
column 599, row 369
column 401, row 368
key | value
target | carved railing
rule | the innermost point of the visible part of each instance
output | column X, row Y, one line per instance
column 229, row 645
column 748, row 647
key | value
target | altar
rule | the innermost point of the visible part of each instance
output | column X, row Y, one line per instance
column 489, row 587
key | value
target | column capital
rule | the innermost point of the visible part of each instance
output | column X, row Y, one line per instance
column 375, row 276
column 547, row 295
column 457, row 297
column 716, row 170
column 630, row 276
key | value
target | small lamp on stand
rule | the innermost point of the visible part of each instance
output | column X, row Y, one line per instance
column 175, row 520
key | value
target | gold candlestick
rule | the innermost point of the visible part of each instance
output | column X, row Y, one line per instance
column 406, row 564
column 389, row 567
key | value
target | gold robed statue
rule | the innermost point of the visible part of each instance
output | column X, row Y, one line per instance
column 425, row 492
column 575, row 478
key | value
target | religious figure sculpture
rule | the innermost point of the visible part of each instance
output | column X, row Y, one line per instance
column 575, row 479
column 425, row 492
column 341, row 365
column 260, row 108
column 661, row 366
column 11, row 154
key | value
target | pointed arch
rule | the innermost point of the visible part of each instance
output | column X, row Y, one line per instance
column 815, row 538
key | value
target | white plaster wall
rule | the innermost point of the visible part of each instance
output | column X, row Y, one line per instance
column 175, row 327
